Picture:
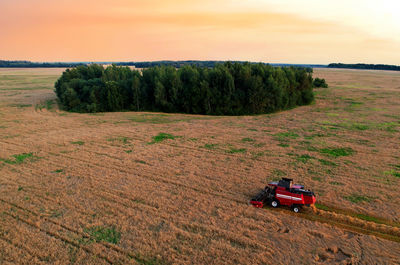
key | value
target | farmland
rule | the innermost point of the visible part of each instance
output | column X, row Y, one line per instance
column 155, row 188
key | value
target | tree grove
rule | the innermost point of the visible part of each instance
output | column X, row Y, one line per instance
column 226, row 89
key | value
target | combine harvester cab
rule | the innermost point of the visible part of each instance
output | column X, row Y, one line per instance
column 284, row 193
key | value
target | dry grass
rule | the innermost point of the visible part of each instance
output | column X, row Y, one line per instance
column 183, row 198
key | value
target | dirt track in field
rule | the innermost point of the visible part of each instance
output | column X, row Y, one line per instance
column 185, row 200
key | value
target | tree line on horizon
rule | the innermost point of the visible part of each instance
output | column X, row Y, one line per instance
column 365, row 66
column 226, row 89
column 147, row 64
column 28, row 64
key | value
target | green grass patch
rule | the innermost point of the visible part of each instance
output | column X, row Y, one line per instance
column 310, row 137
column 311, row 148
column 393, row 173
column 121, row 139
column 286, row 135
column 356, row 104
column 20, row 105
column 56, row 213
column 49, row 104
column 236, row 150
column 327, row 163
column 97, row 114
column 356, row 215
column 106, row 234
column 317, row 178
column 140, row 161
column 359, row 126
column 377, row 109
column 304, row 158
column 259, row 145
column 210, row 146
column 389, row 126
column 128, row 151
column 20, row 158
column 256, row 155
column 151, row 118
column 332, row 114
column 78, row 143
column 11, row 136
column 353, row 103
column 58, row 171
column 161, row 137
column 337, row 152
column 283, row 145
column 164, row 118
column 322, row 207
column 336, row 183
column 249, row 140
column 356, row 198
column 368, row 218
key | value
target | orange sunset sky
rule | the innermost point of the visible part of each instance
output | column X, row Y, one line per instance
column 285, row 31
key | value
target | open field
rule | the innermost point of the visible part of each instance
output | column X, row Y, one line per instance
column 150, row 188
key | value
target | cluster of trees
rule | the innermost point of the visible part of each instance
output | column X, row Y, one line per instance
column 320, row 82
column 226, row 89
column 365, row 66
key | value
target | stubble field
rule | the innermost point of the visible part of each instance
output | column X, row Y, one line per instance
column 150, row 188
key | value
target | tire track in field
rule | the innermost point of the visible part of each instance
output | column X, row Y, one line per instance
column 180, row 222
column 22, row 249
column 154, row 177
column 349, row 223
column 165, row 180
column 214, row 230
column 57, row 236
column 32, row 215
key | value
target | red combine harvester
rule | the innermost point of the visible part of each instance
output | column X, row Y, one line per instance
column 284, row 193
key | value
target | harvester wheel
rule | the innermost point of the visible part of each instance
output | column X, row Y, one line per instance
column 296, row 209
column 274, row 203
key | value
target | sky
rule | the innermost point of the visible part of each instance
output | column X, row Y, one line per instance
column 284, row 31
